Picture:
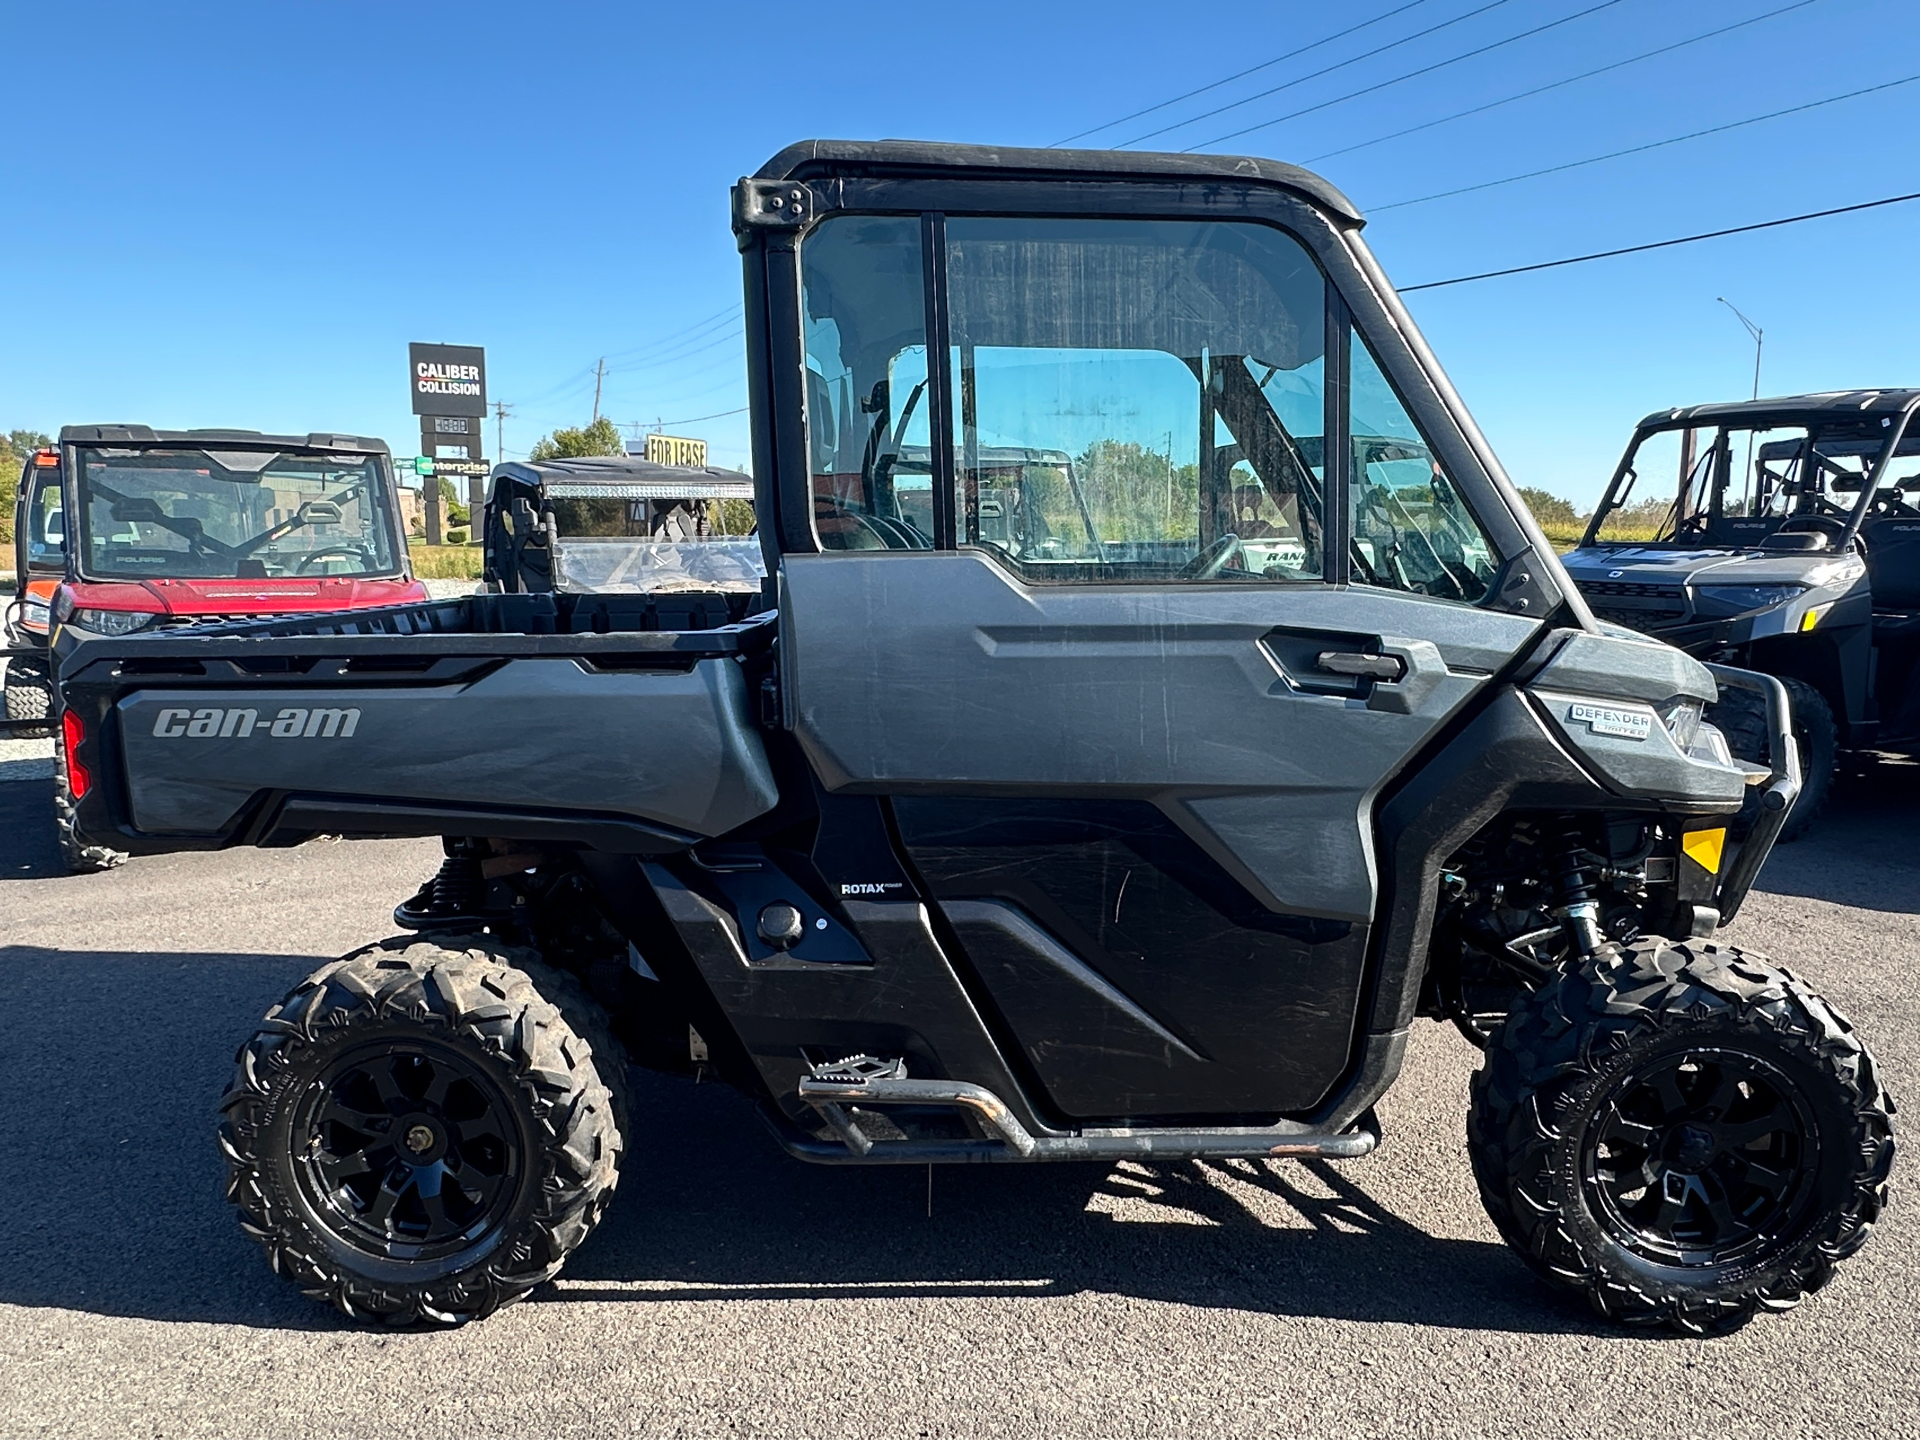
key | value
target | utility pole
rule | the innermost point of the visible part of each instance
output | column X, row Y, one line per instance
column 500, row 412
column 599, row 375
column 1759, row 339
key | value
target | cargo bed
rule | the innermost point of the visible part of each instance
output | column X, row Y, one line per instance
column 623, row 722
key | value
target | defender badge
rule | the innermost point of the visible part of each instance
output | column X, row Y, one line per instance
column 1606, row 720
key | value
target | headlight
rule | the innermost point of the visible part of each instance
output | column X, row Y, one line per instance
column 33, row 614
column 112, row 622
column 1722, row 601
column 1681, row 716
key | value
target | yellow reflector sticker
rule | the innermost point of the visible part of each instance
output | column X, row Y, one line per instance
column 1703, row 847
column 1811, row 618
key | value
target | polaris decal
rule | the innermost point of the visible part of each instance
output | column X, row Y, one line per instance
column 1606, row 720
column 292, row 723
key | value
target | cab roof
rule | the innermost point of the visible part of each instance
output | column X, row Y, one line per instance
column 630, row 476
column 821, row 159
column 147, row 435
column 1826, row 406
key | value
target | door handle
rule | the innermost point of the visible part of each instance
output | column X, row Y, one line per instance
column 1372, row 667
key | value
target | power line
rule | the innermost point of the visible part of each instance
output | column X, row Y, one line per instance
column 1557, row 84
column 1662, row 244
column 1242, row 74
column 676, row 356
column 1275, row 90
column 1410, row 75
column 696, row 419
column 690, row 333
column 1651, row 145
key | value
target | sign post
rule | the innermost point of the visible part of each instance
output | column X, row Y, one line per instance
column 449, row 386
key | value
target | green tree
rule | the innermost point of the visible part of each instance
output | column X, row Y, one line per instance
column 18, row 451
column 1549, row 509
column 450, row 505
column 602, row 437
column 1135, row 494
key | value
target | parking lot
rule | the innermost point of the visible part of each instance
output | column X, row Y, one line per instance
column 734, row 1291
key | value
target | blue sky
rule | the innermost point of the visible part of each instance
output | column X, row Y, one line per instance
column 240, row 215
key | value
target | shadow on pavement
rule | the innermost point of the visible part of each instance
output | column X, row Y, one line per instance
column 1865, row 848
column 26, row 820
column 112, row 1185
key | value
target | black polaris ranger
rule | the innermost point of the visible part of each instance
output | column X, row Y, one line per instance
column 1148, row 831
column 1791, row 545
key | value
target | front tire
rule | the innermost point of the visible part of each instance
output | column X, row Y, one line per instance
column 29, row 695
column 1741, row 717
column 1681, row 1132
column 422, row 1133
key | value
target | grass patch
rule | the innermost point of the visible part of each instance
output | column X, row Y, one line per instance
column 1567, row 537
column 445, row 562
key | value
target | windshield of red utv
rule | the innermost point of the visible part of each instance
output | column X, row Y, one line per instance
column 244, row 514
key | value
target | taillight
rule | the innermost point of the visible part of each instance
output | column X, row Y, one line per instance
column 46, row 459
column 79, row 778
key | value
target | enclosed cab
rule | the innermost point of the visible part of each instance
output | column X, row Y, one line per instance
column 1781, row 535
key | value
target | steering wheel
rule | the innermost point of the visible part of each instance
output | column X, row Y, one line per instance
column 1212, row 560
column 351, row 552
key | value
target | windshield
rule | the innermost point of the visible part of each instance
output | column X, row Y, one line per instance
column 232, row 513
column 1738, row 485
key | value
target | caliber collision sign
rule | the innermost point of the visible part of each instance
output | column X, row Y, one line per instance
column 448, row 379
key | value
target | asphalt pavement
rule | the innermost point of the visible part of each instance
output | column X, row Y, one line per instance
column 732, row 1291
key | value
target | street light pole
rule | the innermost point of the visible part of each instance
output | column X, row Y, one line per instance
column 1759, row 339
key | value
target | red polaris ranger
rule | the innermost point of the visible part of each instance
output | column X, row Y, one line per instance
column 123, row 528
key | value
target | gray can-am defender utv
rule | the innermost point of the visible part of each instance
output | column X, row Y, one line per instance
column 1790, row 545
column 1131, row 799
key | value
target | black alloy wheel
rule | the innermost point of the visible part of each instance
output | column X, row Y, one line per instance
column 409, row 1152
column 423, row 1132
column 1682, row 1133
column 1702, row 1157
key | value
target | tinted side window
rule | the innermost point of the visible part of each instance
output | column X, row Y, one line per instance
column 1137, row 400
column 1412, row 530
column 866, row 351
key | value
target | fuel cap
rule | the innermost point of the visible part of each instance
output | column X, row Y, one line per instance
column 781, row 925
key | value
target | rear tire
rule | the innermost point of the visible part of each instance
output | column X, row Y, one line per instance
column 82, row 856
column 421, row 1133
column 29, row 694
column 1681, row 1132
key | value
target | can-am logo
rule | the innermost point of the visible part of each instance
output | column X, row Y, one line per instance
column 292, row 723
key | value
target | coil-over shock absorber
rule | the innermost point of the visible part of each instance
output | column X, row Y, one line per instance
column 457, row 895
column 1572, row 885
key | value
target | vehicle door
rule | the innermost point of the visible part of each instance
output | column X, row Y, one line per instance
column 1133, row 700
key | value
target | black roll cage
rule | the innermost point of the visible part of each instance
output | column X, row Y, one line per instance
column 1816, row 423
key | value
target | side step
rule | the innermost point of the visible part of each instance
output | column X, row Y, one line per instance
column 863, row 1080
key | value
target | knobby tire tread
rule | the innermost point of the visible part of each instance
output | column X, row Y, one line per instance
column 554, row 1054
column 1563, row 1043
